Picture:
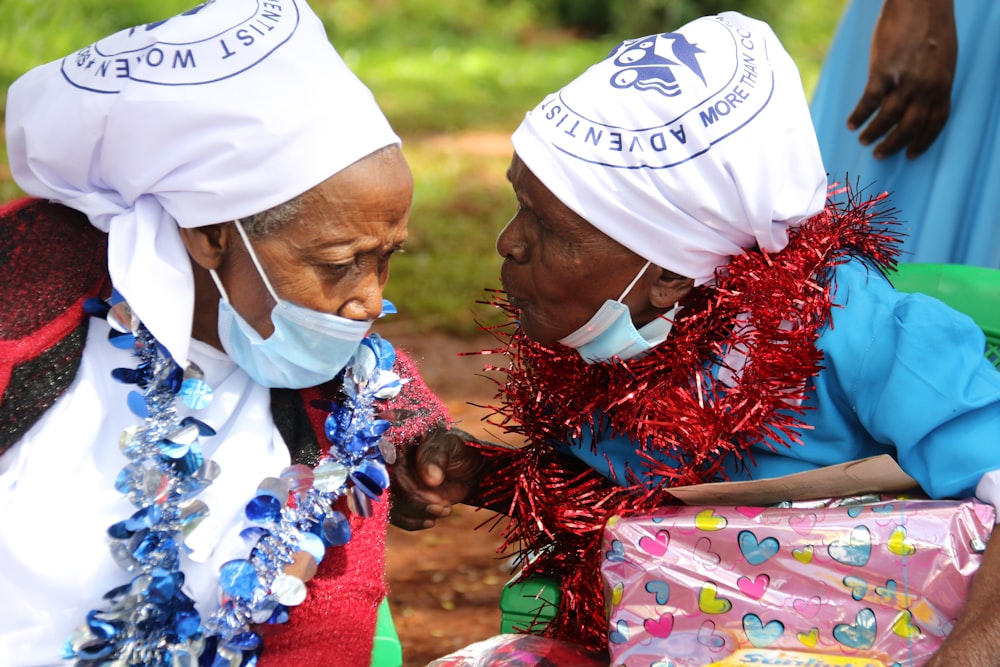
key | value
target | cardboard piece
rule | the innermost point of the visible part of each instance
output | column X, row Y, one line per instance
column 876, row 474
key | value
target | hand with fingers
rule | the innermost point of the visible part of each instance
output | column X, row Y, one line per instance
column 429, row 477
column 907, row 99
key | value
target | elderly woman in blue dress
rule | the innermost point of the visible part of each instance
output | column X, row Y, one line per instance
column 690, row 309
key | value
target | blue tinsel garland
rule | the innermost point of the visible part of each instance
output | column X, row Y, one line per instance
column 151, row 620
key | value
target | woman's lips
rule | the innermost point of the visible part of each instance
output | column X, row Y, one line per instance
column 512, row 298
column 516, row 302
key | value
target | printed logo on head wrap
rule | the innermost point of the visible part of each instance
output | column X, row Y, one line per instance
column 205, row 44
column 661, row 100
column 644, row 69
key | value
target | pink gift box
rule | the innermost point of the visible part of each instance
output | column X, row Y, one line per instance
column 687, row 586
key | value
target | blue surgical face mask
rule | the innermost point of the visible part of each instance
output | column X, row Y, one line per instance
column 307, row 347
column 610, row 333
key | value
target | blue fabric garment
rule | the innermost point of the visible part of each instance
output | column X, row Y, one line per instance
column 949, row 197
column 903, row 375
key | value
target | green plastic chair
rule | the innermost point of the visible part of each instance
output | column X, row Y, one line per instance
column 529, row 605
column 387, row 650
column 972, row 290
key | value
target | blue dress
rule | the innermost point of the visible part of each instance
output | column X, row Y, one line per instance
column 904, row 375
column 949, row 197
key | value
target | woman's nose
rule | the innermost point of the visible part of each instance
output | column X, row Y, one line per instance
column 365, row 301
column 510, row 242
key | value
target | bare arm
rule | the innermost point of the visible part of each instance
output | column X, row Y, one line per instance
column 975, row 640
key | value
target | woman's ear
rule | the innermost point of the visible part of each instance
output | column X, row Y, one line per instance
column 207, row 245
column 669, row 288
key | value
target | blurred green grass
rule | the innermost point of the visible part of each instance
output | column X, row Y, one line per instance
column 454, row 77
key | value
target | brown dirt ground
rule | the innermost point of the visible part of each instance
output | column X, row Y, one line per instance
column 445, row 583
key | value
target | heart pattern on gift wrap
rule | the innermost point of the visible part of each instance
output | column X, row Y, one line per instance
column 892, row 595
column 620, row 634
column 807, row 608
column 903, row 626
column 703, row 551
column 751, row 512
column 707, row 636
column 660, row 589
column 889, row 592
column 762, row 634
column 754, row 588
column 661, row 627
column 708, row 521
column 616, row 594
column 803, row 555
column 756, row 551
column 802, row 524
column 857, row 586
column 859, row 636
column 899, row 544
column 709, row 602
column 657, row 545
column 808, row 639
column 617, row 552
column 855, row 551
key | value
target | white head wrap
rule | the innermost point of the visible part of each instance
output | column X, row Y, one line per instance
column 219, row 113
column 685, row 147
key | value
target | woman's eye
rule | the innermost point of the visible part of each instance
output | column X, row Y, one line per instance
column 383, row 260
column 530, row 214
column 342, row 267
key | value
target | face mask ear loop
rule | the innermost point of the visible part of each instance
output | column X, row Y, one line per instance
column 218, row 284
column 634, row 280
column 256, row 262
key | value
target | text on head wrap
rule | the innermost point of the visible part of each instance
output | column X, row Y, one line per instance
column 150, row 54
column 652, row 103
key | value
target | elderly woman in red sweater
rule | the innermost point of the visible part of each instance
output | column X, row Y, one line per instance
column 221, row 196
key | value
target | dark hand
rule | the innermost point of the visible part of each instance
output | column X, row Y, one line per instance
column 429, row 477
column 968, row 651
column 975, row 639
column 913, row 53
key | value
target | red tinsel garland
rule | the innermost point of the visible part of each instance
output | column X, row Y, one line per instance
column 772, row 307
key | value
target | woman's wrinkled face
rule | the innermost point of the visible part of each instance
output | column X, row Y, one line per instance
column 333, row 256
column 558, row 269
